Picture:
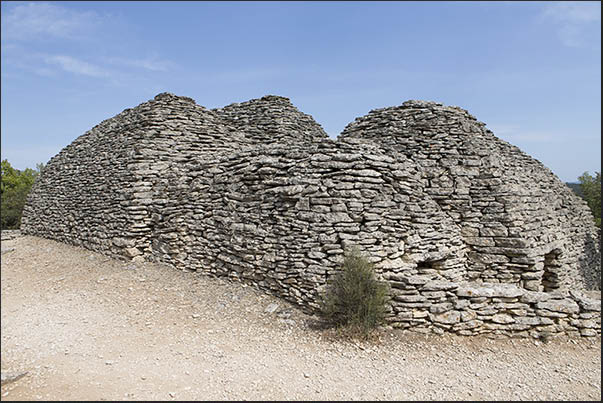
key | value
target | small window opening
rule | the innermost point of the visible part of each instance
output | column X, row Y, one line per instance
column 550, row 277
column 430, row 267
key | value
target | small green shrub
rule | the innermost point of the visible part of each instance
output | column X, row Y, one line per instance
column 354, row 299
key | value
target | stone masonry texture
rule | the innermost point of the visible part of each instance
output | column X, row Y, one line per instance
column 472, row 235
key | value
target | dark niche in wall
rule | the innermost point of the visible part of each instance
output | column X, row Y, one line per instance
column 550, row 277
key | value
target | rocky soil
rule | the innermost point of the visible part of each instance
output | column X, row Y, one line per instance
column 82, row 326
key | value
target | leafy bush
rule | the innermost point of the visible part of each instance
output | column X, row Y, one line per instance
column 355, row 299
column 15, row 187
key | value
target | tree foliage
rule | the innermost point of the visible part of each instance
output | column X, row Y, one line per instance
column 14, row 189
column 576, row 188
column 591, row 190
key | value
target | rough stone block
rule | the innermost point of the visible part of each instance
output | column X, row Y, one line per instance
column 448, row 318
column 502, row 318
column 564, row 306
column 493, row 290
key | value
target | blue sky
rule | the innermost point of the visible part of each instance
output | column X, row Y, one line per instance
column 530, row 70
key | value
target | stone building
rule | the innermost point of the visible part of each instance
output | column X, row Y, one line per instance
column 473, row 235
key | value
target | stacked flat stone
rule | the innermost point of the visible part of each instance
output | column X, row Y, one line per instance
column 472, row 235
column 282, row 216
column 271, row 119
column 521, row 224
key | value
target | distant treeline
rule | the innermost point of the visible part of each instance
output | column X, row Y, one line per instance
column 575, row 186
column 589, row 188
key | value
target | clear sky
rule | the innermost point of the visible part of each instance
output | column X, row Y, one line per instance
column 530, row 70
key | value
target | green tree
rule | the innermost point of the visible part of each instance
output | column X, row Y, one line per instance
column 591, row 189
column 15, row 187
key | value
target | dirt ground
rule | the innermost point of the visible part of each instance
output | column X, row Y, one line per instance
column 87, row 327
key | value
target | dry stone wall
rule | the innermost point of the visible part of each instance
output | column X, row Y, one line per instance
column 282, row 216
column 522, row 225
column 472, row 235
column 78, row 197
column 94, row 192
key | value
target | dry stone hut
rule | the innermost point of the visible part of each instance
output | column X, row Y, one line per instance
column 473, row 235
column 520, row 223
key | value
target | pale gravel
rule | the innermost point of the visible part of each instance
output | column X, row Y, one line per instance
column 88, row 327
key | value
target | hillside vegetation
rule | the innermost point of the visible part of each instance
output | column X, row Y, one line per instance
column 14, row 189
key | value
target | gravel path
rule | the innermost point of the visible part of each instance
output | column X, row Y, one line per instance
column 87, row 327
